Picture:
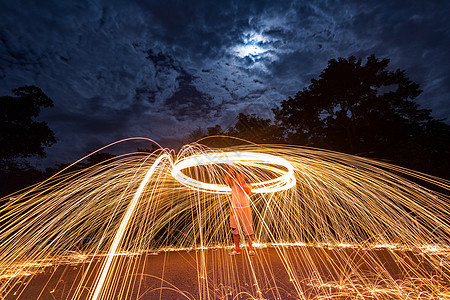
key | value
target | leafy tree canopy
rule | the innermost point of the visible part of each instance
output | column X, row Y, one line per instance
column 21, row 135
column 364, row 109
column 249, row 127
column 256, row 129
column 351, row 105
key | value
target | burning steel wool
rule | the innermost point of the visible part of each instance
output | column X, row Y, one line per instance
column 341, row 226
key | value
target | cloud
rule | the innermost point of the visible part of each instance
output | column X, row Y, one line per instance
column 162, row 68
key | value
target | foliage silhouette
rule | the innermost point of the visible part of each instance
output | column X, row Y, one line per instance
column 21, row 136
column 368, row 110
column 256, row 129
column 248, row 127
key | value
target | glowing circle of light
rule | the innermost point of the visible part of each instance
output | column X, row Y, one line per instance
column 262, row 160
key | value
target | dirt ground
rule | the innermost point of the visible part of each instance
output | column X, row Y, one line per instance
column 273, row 273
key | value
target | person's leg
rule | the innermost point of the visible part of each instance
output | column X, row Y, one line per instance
column 235, row 233
column 237, row 241
column 250, row 246
column 247, row 222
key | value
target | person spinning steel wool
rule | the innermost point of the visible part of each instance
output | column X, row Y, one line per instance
column 240, row 213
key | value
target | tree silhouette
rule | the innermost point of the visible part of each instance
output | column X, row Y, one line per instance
column 200, row 133
column 249, row 127
column 363, row 109
column 256, row 129
column 21, row 135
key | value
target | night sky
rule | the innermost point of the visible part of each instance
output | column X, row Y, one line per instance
column 159, row 69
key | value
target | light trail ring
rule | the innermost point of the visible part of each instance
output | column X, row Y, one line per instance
column 283, row 182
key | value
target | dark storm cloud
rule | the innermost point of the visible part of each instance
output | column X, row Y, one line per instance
column 161, row 68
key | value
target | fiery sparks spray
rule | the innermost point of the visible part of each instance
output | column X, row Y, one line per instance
column 316, row 208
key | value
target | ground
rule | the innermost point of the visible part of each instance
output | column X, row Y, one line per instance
column 274, row 273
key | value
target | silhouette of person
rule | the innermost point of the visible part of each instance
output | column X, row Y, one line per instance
column 240, row 212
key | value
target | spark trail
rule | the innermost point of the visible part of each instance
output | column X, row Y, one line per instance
column 123, row 225
column 327, row 212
